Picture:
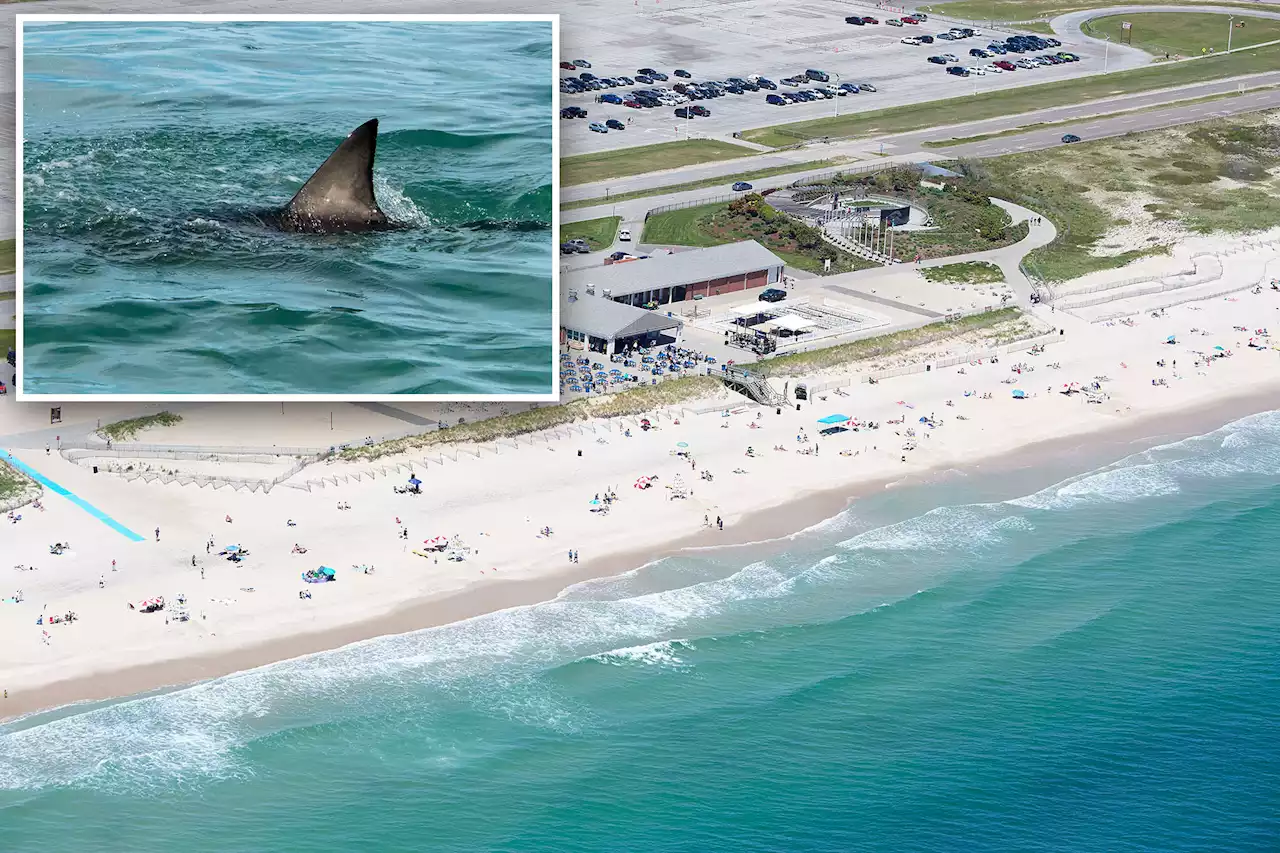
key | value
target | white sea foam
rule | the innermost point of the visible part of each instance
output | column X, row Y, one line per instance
column 494, row 662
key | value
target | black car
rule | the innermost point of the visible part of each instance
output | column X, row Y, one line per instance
column 573, row 112
column 766, row 83
column 959, row 71
column 857, row 22
column 680, row 72
column 937, row 60
column 614, row 124
column 581, row 63
column 772, row 294
column 1069, row 138
column 925, row 39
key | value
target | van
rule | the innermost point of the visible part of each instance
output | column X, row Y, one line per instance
column 819, row 76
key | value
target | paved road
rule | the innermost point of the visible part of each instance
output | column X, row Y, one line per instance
column 906, row 147
column 1099, row 128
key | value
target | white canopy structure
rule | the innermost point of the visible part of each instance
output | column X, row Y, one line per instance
column 791, row 323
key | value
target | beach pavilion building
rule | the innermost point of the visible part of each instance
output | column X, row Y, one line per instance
column 664, row 279
column 595, row 324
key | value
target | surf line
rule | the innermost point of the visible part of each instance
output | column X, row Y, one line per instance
column 75, row 499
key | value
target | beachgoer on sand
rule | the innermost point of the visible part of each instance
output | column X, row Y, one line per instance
column 157, row 534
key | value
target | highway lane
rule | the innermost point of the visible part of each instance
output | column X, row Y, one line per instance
column 1100, row 128
column 907, row 146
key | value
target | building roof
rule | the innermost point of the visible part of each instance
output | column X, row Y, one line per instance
column 604, row 318
column 682, row 268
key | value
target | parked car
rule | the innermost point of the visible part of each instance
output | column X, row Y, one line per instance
column 920, row 16
column 925, row 39
column 938, row 60
column 610, row 98
column 991, row 69
column 741, row 187
column 958, row 70
column 866, row 87
column 700, row 110
column 1054, row 43
column 978, row 52
column 680, row 72
column 945, row 37
column 912, row 40
column 816, row 75
column 568, row 66
column 573, row 112
column 856, row 20
column 570, row 247
column 776, row 100
column 869, row 20
column 977, row 70
column 772, row 294
column 766, row 83
column 950, row 57
column 1026, row 63
column 598, row 127
column 1006, row 65
column 624, row 235
column 893, row 22
column 581, row 63
column 614, row 124
column 1069, row 138
column 851, row 88
column 641, row 78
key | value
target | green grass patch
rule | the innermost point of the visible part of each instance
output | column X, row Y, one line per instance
column 1024, row 10
column 965, row 108
column 599, row 233
column 1183, row 33
column 972, row 272
column 8, row 255
column 749, row 218
column 623, row 162
column 125, row 430
column 8, row 339
column 1180, row 170
column 727, row 180
column 8, row 295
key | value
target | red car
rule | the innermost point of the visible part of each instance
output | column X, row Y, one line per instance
column 568, row 66
column 1006, row 65
column 635, row 105
column 910, row 20
column 870, row 21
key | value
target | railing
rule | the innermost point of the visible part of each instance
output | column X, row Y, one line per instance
column 684, row 205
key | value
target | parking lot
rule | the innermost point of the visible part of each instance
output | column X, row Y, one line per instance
column 717, row 40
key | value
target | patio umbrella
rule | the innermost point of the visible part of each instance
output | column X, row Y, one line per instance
column 414, row 481
column 1172, row 339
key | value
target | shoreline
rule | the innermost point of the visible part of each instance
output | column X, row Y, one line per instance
column 1047, row 459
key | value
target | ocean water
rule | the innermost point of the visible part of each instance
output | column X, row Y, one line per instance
column 1092, row 666
column 152, row 151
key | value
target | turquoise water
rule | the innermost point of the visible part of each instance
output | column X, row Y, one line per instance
column 1092, row 666
column 153, row 153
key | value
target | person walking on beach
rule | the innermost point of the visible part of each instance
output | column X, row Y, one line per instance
column 720, row 522
column 113, row 565
column 570, row 555
column 157, row 534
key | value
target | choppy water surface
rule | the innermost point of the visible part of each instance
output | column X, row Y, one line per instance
column 1089, row 667
column 150, row 148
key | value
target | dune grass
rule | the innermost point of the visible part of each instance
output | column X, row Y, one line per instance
column 125, row 430
column 599, row 233
column 624, row 162
column 972, row 272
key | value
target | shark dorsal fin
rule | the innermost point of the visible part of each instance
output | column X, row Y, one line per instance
column 339, row 196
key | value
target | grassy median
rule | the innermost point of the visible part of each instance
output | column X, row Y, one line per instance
column 1184, row 33
column 1027, row 10
column 624, row 162
column 8, row 255
column 1023, row 99
column 599, row 233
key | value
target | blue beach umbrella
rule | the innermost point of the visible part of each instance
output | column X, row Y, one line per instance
column 414, row 481
column 833, row 419
column 1019, row 395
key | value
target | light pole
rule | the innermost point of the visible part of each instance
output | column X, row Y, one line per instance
column 837, row 95
column 1106, row 53
column 1231, row 25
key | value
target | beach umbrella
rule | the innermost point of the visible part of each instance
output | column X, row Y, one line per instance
column 1220, row 349
column 594, row 502
column 232, row 548
column 833, row 419
column 327, row 572
column 1019, row 395
column 1172, row 339
column 414, row 481
column 682, row 444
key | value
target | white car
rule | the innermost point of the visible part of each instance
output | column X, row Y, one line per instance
column 624, row 235
column 992, row 69
column 911, row 40
column 974, row 69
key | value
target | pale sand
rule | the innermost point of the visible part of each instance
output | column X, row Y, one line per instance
column 498, row 502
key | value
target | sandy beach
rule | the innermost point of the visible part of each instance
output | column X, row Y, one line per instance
column 498, row 503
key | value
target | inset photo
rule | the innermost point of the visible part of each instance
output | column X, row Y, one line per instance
column 352, row 208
